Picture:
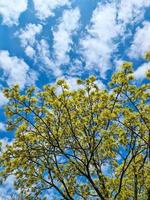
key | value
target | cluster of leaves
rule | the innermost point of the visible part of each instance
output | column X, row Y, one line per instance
column 88, row 143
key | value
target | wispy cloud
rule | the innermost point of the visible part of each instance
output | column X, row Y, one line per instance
column 97, row 46
column 44, row 57
column 46, row 8
column 131, row 11
column 3, row 99
column 67, row 27
column 141, row 41
column 27, row 38
column 140, row 72
column 7, row 189
column 15, row 70
column 11, row 10
column 2, row 126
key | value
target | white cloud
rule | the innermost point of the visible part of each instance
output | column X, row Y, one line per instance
column 140, row 72
column 3, row 99
column 43, row 56
column 141, row 41
column 2, row 126
column 72, row 82
column 30, row 52
column 98, row 45
column 15, row 70
column 37, row 49
column 7, row 189
column 27, row 37
column 100, row 84
column 11, row 10
column 109, row 28
column 46, row 8
column 131, row 11
column 63, row 33
column 5, row 142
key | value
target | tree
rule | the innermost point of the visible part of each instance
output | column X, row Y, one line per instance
column 88, row 143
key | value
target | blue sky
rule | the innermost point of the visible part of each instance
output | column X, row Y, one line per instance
column 42, row 41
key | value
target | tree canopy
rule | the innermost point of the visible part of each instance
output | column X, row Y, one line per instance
column 88, row 143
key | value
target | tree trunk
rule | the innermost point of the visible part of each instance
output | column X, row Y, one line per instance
column 135, row 187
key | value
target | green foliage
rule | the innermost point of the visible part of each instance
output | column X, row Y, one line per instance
column 85, row 144
column 147, row 56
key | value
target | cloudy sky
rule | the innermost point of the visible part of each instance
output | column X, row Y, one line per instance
column 44, row 40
